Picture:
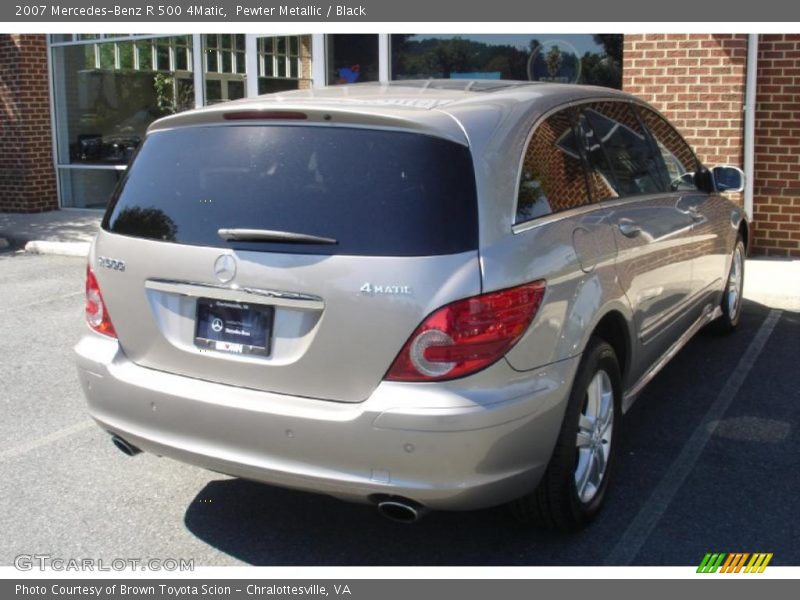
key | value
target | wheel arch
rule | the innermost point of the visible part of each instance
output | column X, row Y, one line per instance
column 740, row 223
column 616, row 330
column 744, row 231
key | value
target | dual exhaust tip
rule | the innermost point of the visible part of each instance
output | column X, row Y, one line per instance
column 394, row 508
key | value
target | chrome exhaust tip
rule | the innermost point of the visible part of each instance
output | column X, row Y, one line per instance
column 401, row 510
column 124, row 447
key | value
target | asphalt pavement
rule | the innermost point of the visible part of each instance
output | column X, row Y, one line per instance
column 709, row 463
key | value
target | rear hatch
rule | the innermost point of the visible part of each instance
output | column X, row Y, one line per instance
column 294, row 258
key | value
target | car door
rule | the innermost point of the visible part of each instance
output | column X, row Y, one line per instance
column 651, row 230
column 709, row 213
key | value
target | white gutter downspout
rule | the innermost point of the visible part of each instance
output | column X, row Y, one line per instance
column 750, row 122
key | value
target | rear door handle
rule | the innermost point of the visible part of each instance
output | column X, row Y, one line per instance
column 629, row 228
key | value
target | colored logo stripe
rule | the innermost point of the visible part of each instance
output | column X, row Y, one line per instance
column 710, row 563
column 758, row 563
column 734, row 562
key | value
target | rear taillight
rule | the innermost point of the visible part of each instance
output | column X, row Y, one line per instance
column 467, row 335
column 96, row 312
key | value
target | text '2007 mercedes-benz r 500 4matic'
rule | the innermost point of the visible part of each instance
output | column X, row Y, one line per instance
column 421, row 295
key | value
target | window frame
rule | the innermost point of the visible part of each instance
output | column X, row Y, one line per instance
column 289, row 58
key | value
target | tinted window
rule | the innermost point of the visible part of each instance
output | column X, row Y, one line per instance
column 552, row 176
column 630, row 155
column 679, row 162
column 375, row 192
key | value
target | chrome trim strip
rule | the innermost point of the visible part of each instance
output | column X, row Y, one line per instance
column 581, row 210
column 630, row 396
column 237, row 294
column 555, row 217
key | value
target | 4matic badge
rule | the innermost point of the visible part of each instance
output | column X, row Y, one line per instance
column 392, row 290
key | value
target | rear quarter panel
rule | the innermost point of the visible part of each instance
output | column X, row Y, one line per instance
column 578, row 295
column 581, row 284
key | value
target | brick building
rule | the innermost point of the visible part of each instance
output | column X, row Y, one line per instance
column 27, row 178
column 699, row 82
column 74, row 106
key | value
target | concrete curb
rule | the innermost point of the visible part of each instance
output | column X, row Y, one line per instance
column 79, row 249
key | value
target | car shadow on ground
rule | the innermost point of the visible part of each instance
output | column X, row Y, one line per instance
column 264, row 525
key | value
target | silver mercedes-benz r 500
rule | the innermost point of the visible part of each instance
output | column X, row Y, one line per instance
column 420, row 295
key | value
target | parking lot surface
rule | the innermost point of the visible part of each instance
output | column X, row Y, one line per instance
column 710, row 462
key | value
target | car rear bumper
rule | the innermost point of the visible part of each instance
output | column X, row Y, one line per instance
column 467, row 444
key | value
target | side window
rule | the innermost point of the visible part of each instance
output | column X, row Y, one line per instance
column 552, row 178
column 680, row 162
column 629, row 155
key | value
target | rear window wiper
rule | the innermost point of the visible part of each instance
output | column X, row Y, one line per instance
column 269, row 235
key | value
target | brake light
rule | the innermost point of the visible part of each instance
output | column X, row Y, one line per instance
column 270, row 115
column 96, row 313
column 467, row 335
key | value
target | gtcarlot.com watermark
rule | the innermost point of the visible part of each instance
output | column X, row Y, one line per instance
column 43, row 562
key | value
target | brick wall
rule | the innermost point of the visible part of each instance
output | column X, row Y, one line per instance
column 698, row 82
column 776, row 194
column 27, row 177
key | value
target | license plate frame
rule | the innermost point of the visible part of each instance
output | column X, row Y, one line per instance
column 230, row 327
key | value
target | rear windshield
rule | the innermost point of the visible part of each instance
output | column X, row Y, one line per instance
column 375, row 192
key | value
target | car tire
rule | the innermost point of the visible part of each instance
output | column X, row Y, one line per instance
column 569, row 495
column 731, row 303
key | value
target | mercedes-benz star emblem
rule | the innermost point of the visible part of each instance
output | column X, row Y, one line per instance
column 217, row 324
column 225, row 268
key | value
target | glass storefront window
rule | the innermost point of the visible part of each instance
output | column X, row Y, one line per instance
column 225, row 67
column 106, row 94
column 125, row 53
column 144, row 55
column 352, row 58
column 105, row 100
column 567, row 58
column 87, row 188
column 280, row 63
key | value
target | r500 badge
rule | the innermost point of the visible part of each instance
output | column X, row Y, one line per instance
column 111, row 263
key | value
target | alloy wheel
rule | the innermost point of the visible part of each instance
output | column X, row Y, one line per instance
column 593, row 441
column 735, row 281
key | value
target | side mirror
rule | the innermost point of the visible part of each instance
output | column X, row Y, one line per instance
column 728, row 178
